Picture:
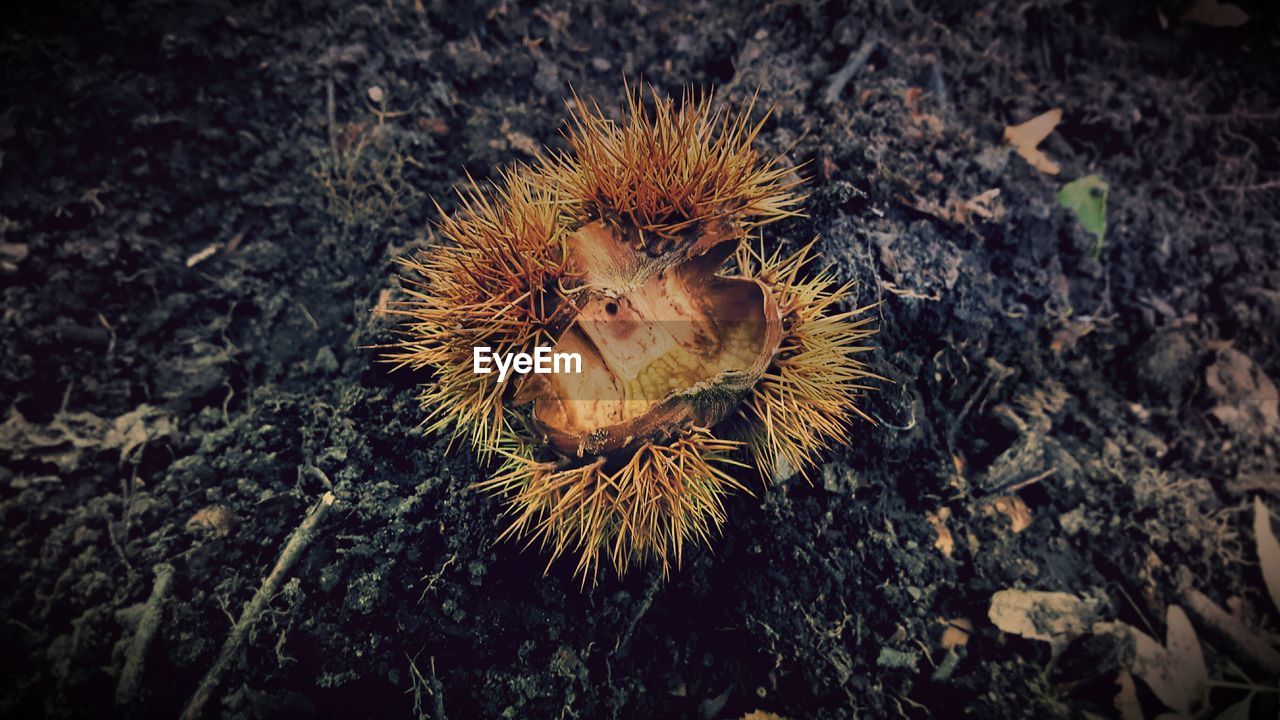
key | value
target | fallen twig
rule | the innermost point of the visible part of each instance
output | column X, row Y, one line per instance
column 1015, row 485
column 231, row 648
column 851, row 67
column 148, row 624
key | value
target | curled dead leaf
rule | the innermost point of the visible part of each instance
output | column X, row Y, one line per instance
column 1026, row 138
column 133, row 430
column 1189, row 670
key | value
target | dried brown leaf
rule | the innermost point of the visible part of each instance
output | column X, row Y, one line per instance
column 1053, row 617
column 1177, row 673
column 1189, row 668
column 1026, row 139
column 70, row 438
column 1126, row 701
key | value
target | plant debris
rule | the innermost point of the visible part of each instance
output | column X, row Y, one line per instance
column 1053, row 617
column 1026, row 139
column 1087, row 198
column 1245, row 399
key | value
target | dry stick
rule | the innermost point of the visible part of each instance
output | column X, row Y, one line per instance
column 852, row 66
column 293, row 549
column 330, row 108
column 1248, row 646
column 1017, row 485
column 433, row 687
column 939, row 85
column 148, row 624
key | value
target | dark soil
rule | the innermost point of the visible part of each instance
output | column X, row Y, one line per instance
column 201, row 207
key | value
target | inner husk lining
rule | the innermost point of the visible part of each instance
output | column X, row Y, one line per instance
column 653, row 336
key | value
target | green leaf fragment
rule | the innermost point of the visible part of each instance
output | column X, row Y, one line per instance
column 1087, row 198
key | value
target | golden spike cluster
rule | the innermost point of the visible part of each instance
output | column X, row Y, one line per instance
column 503, row 278
column 646, row 509
column 665, row 170
column 803, row 402
column 495, row 283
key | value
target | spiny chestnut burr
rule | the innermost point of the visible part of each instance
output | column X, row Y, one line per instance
column 699, row 355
